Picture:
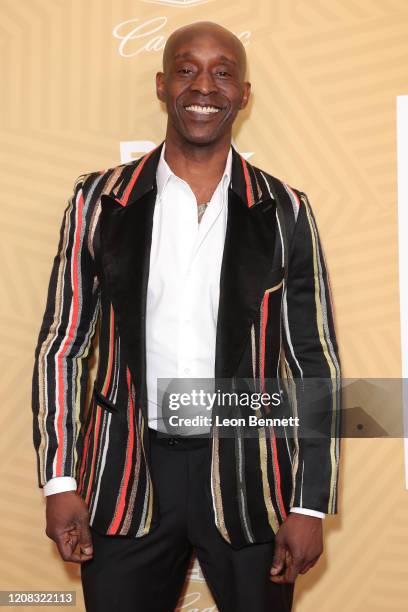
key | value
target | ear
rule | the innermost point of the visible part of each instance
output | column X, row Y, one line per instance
column 160, row 86
column 245, row 95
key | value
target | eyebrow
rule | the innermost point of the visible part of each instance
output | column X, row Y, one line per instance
column 221, row 58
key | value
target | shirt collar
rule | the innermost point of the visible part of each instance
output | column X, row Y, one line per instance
column 164, row 172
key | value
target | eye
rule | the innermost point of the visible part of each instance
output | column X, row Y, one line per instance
column 185, row 71
column 222, row 73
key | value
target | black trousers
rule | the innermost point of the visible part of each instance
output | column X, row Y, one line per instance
column 147, row 574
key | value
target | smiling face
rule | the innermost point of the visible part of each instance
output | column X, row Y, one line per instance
column 202, row 83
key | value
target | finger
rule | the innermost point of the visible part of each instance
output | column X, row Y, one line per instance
column 308, row 566
column 72, row 541
column 278, row 558
column 77, row 556
column 85, row 540
column 291, row 571
column 66, row 546
column 281, row 577
column 67, row 543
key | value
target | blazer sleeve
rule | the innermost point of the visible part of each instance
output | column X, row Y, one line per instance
column 313, row 367
column 60, row 376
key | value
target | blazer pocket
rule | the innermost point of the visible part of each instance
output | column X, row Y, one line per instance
column 103, row 401
column 274, row 279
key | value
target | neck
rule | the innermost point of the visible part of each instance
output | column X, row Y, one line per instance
column 199, row 166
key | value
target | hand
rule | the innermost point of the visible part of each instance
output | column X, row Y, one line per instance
column 298, row 545
column 68, row 525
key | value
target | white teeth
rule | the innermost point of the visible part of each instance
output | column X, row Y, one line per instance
column 204, row 110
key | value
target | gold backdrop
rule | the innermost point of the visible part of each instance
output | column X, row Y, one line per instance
column 325, row 77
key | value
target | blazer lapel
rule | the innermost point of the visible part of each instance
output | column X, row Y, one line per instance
column 247, row 260
column 126, row 222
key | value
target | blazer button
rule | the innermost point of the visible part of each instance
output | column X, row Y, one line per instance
column 173, row 441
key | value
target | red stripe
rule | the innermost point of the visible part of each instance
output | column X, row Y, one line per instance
column 111, row 347
column 249, row 194
column 85, row 452
column 69, row 336
column 134, row 178
column 120, row 506
column 277, row 474
column 95, row 446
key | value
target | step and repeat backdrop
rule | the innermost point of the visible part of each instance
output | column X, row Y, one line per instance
column 78, row 94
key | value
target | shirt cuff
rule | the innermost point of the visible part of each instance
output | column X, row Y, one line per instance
column 315, row 513
column 59, row 484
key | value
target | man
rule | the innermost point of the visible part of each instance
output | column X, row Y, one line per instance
column 197, row 265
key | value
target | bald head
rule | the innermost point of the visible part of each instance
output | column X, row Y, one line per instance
column 202, row 84
column 187, row 35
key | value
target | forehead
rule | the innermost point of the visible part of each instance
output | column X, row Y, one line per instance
column 205, row 46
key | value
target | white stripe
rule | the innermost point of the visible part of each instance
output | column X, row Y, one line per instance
column 267, row 185
column 301, row 485
column 105, row 450
column 253, row 350
column 293, row 199
column 241, row 481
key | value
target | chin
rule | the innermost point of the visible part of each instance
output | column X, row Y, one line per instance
column 201, row 139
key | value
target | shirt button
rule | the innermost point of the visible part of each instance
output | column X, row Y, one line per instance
column 187, row 370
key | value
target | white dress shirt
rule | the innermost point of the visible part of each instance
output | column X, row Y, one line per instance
column 182, row 292
column 184, row 286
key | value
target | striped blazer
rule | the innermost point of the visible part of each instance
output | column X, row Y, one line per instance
column 275, row 322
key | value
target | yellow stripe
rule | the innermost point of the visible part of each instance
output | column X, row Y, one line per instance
column 319, row 319
column 215, row 474
column 293, row 403
column 149, row 485
column 275, row 287
column 272, row 519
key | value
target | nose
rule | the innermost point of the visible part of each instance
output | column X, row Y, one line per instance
column 204, row 82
